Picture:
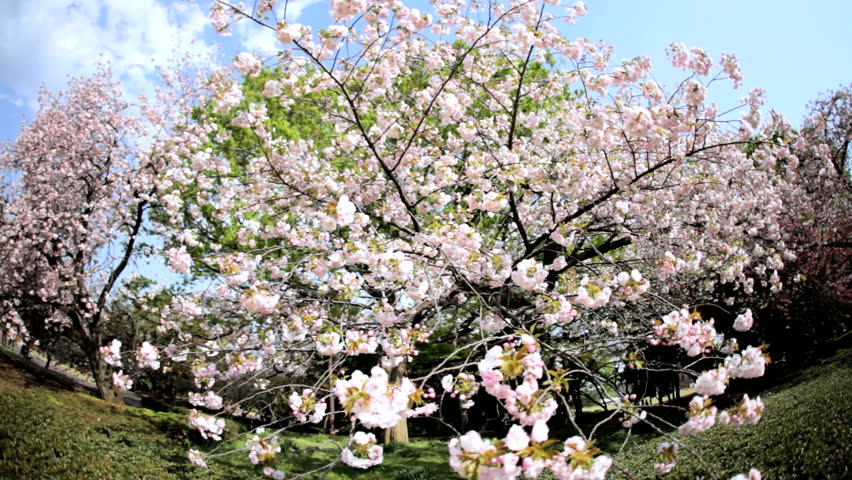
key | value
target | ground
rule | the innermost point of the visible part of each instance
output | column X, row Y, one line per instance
column 51, row 428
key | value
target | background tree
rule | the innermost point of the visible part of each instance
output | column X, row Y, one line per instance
column 80, row 186
column 829, row 129
column 813, row 315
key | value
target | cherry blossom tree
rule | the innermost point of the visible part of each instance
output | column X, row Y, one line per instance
column 829, row 129
column 484, row 178
column 813, row 311
column 79, row 186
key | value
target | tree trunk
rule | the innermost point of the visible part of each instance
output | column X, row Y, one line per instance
column 399, row 432
column 101, row 374
column 463, row 419
column 332, row 411
column 576, row 396
column 27, row 347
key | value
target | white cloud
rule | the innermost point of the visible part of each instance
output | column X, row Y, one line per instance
column 46, row 41
column 256, row 39
column 296, row 7
column 16, row 101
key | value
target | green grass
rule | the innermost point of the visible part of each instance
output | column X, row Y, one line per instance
column 53, row 434
column 805, row 433
column 49, row 434
column 416, row 460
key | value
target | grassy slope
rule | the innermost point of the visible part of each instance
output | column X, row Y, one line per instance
column 54, row 432
column 48, row 432
column 805, row 433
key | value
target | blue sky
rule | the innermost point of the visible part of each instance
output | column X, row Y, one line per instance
column 793, row 50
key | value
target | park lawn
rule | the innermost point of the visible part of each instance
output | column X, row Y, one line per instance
column 54, row 434
column 45, row 433
column 420, row 459
column 49, row 432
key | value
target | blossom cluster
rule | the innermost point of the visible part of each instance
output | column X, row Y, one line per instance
column 520, row 452
column 464, row 386
column 208, row 426
column 687, row 330
column 112, row 353
column 667, row 454
column 513, row 361
column 121, row 381
column 306, row 407
column 147, row 356
column 374, row 402
column 362, row 451
column 209, row 400
column 262, row 448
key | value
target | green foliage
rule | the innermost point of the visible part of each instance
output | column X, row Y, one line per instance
column 298, row 120
column 432, row 354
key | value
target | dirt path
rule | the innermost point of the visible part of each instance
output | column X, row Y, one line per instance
column 17, row 372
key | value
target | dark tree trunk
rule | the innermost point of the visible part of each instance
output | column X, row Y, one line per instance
column 101, row 374
column 576, row 396
column 26, row 345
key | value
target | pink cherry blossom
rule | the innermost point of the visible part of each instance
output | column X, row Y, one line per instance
column 753, row 474
column 248, row 64
column 667, row 453
column 529, row 274
column 329, row 343
column 701, row 416
column 208, row 426
column 147, row 356
column 197, row 458
column 744, row 321
column 179, row 260
column 362, row 452
column 345, row 210
column 712, row 382
column 262, row 447
column 306, row 407
column 121, row 381
column 540, row 432
column 517, row 438
column 258, row 300
column 112, row 353
column 750, row 364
